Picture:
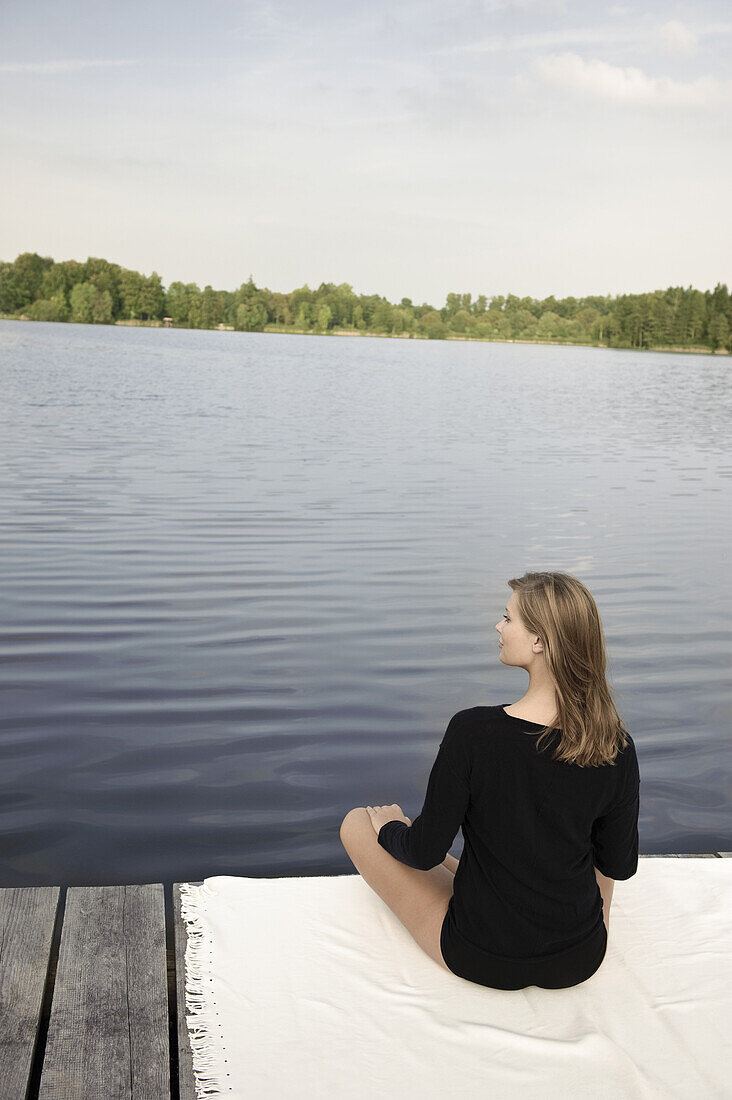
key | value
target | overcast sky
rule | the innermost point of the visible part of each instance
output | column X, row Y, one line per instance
column 410, row 149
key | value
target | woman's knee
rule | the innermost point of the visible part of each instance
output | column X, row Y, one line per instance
column 354, row 818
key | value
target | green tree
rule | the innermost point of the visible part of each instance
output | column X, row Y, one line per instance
column 82, row 299
column 613, row 331
column 104, row 276
column 432, row 326
column 11, row 295
column 587, row 320
column 101, row 307
column 57, row 280
column 483, row 329
column 452, row 304
column 719, row 312
column 90, row 305
column 251, row 316
column 369, row 304
column 130, row 288
column 195, row 306
column 29, row 269
column 522, row 323
column 151, row 298
column 382, row 317
column 302, row 297
column 548, row 325
column 324, row 317
column 462, row 321
column 49, row 309
column 210, row 308
column 719, row 331
column 566, row 307
column 497, row 324
column 176, row 303
column 697, row 317
column 282, row 314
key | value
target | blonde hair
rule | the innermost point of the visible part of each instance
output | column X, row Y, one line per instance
column 562, row 612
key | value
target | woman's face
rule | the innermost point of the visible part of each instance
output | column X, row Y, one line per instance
column 515, row 641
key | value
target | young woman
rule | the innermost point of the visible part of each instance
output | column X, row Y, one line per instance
column 546, row 791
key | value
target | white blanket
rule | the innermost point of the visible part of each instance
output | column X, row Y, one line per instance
column 312, row 988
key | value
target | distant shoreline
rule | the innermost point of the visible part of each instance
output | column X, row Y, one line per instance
column 36, row 288
column 380, row 336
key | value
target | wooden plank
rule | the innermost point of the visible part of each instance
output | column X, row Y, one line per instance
column 108, row 1031
column 186, row 1083
column 27, row 917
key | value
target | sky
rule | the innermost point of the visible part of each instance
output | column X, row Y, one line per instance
column 409, row 149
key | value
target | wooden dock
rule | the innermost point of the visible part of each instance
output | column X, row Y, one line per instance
column 92, row 996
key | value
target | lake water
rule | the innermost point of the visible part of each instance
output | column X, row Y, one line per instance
column 248, row 578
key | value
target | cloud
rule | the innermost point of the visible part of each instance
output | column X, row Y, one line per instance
column 557, row 6
column 673, row 36
column 51, row 68
column 570, row 72
column 678, row 38
column 263, row 20
column 570, row 36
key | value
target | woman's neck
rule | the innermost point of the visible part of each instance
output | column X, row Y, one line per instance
column 539, row 707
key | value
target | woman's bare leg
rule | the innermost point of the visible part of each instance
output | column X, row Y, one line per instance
column 451, row 863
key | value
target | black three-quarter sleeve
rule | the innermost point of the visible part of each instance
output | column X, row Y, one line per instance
column 426, row 842
column 615, row 833
column 615, row 840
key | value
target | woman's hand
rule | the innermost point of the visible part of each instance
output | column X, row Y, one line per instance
column 381, row 814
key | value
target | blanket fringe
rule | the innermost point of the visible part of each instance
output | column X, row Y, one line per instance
column 199, row 1015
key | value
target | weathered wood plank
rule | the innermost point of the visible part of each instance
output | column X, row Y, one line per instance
column 186, row 1083
column 27, row 917
column 108, row 1031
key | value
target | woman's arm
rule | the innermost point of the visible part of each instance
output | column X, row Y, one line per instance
column 606, row 889
column 425, row 843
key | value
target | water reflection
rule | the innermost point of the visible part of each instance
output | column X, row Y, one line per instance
column 248, row 579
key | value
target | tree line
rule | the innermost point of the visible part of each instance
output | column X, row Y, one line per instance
column 99, row 292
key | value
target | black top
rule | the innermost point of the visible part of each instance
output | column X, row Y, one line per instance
column 533, row 829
